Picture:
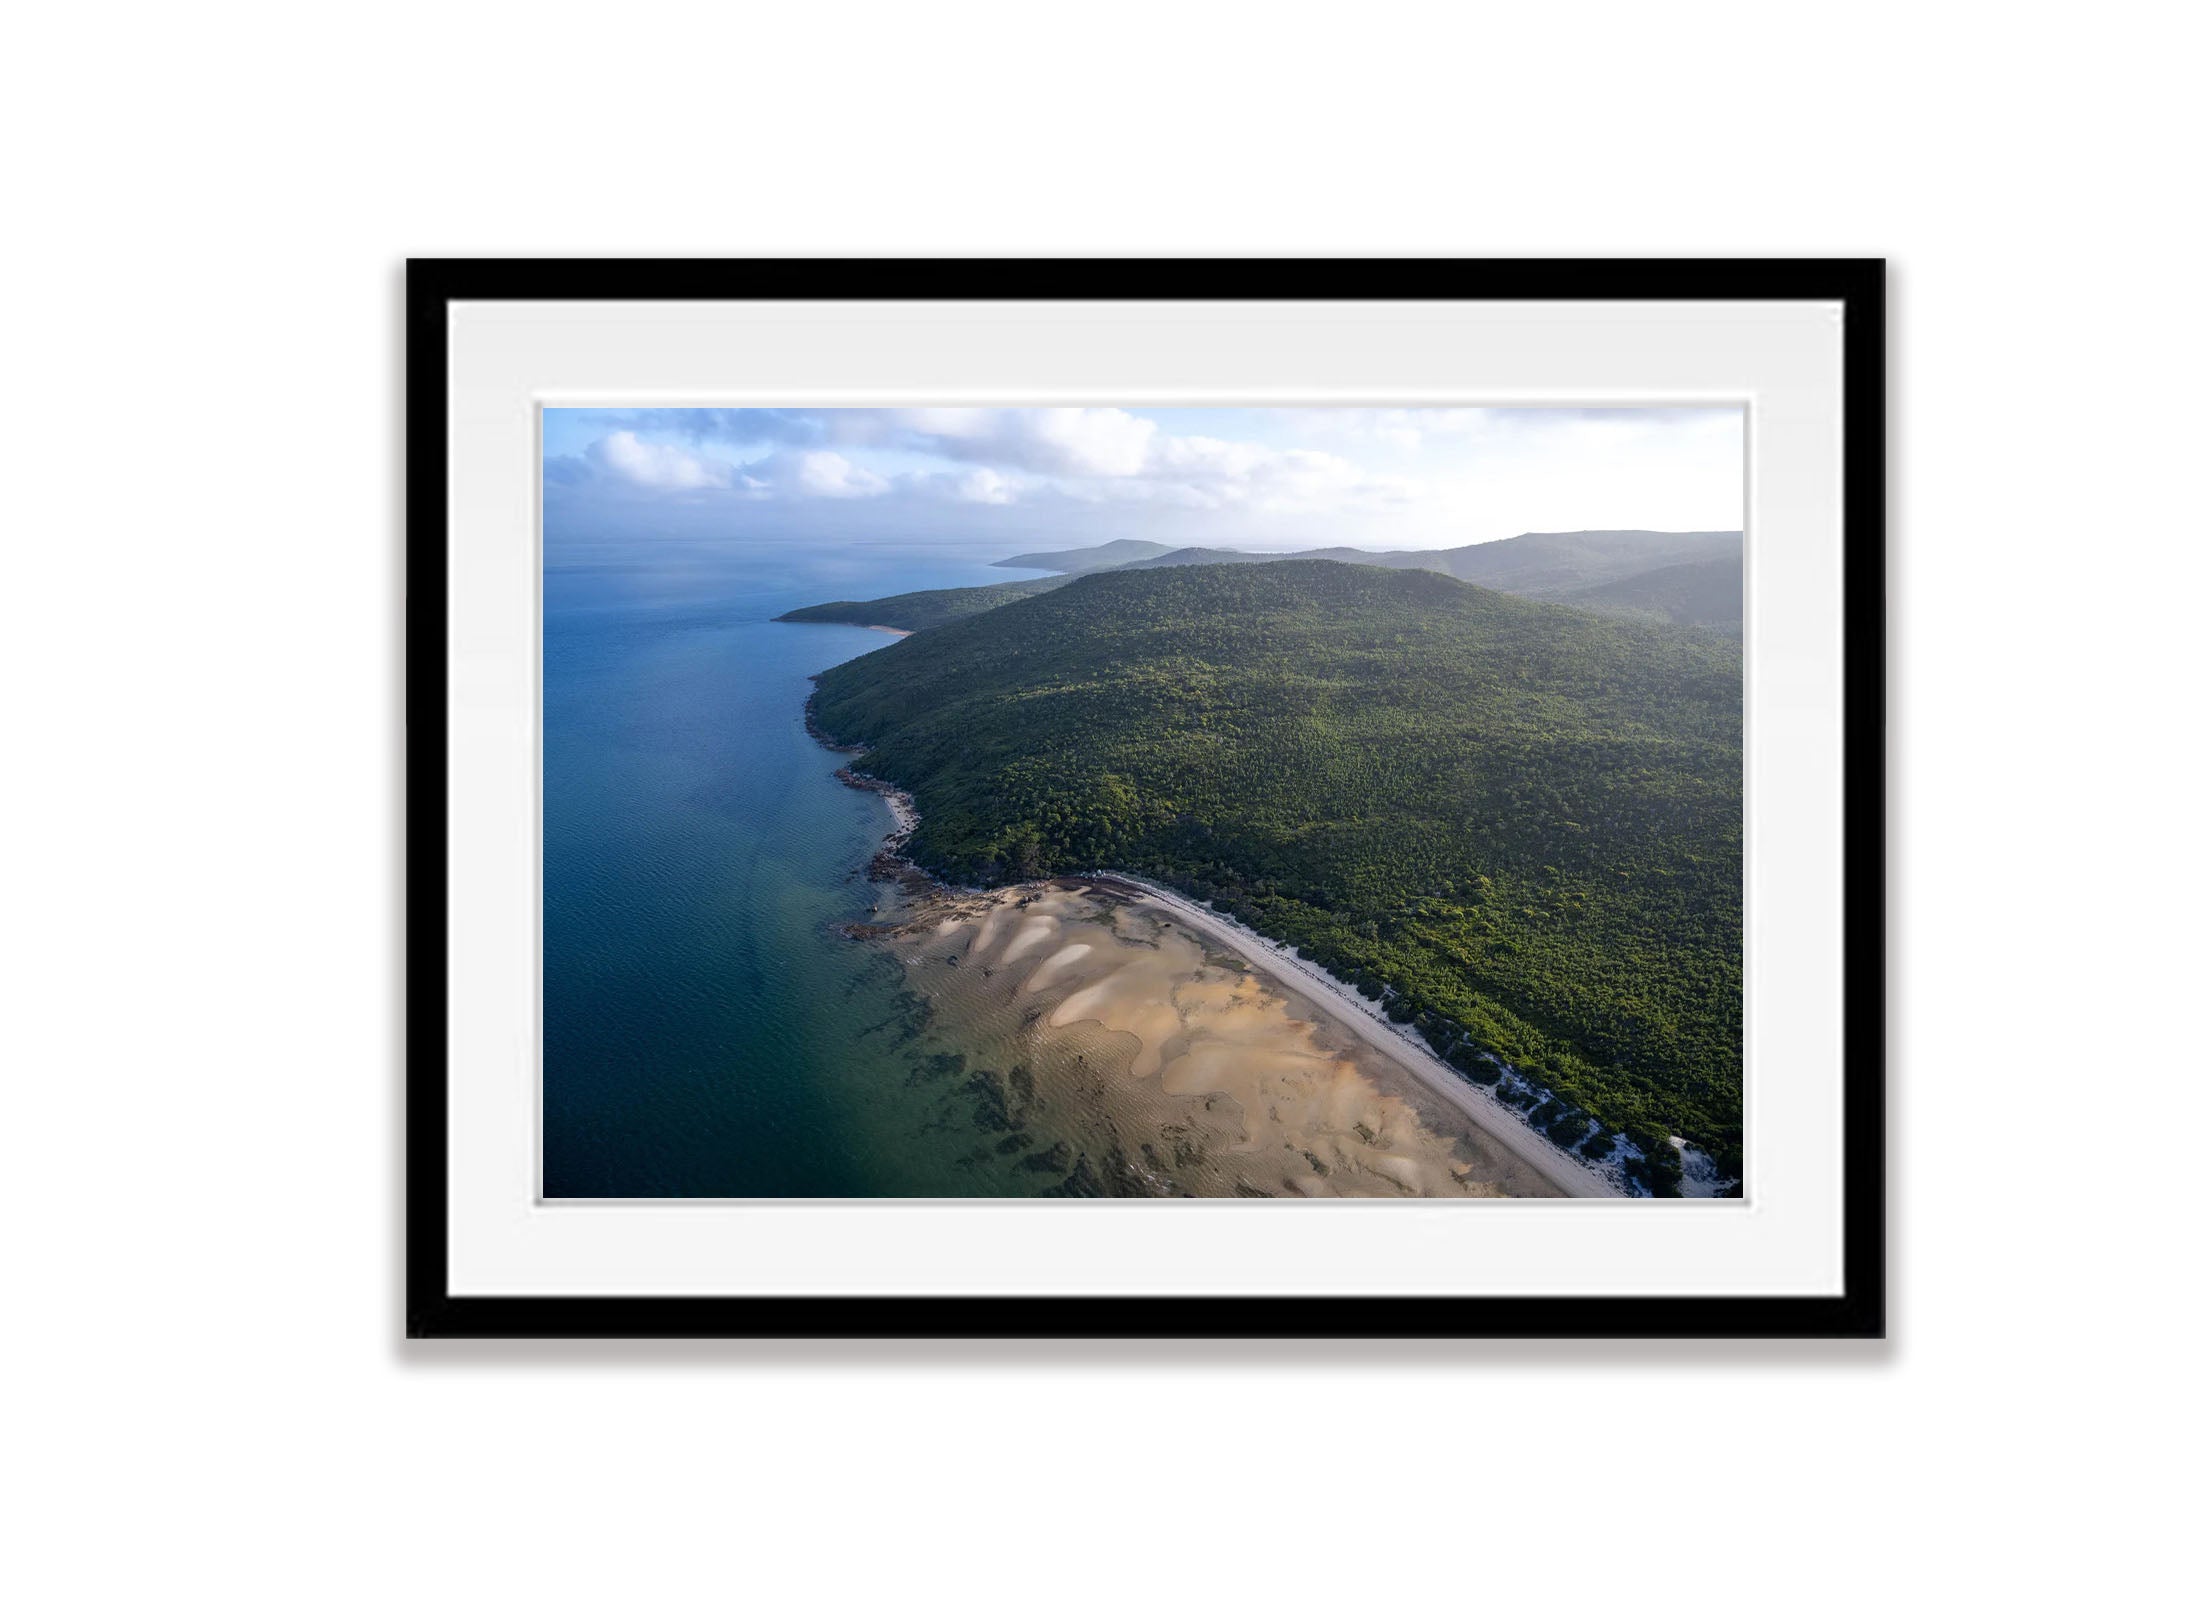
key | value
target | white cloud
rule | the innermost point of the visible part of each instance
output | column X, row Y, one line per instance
column 1089, row 453
column 1374, row 476
column 1101, row 455
column 1075, row 441
column 983, row 486
column 1194, row 456
column 651, row 465
column 1402, row 428
column 625, row 457
column 978, row 486
column 811, row 475
column 1198, row 472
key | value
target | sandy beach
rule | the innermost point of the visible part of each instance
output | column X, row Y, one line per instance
column 1200, row 1057
column 1146, row 1055
column 1347, row 1009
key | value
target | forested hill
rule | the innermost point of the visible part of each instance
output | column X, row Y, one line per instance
column 1573, row 568
column 1693, row 578
column 1553, row 566
column 1702, row 594
column 1529, row 563
column 1521, row 820
column 923, row 608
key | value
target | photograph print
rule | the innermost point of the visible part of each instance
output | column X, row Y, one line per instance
column 1060, row 803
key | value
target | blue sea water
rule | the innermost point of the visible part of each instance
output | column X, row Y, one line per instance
column 705, row 1034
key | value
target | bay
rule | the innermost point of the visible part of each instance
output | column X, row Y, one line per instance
column 705, row 1032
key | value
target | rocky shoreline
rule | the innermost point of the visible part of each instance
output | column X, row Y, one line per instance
column 914, row 905
column 925, row 901
column 889, row 864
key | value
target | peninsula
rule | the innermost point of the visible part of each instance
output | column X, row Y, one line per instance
column 1513, row 827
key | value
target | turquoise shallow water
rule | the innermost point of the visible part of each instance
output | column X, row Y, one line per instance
column 704, row 1033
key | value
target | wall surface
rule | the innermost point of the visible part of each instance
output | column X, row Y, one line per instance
column 209, row 206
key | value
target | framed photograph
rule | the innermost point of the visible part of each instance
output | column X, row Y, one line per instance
column 1145, row 798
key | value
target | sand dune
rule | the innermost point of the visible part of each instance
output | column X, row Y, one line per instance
column 1381, row 1043
column 1035, row 930
column 1055, row 968
column 1173, row 1069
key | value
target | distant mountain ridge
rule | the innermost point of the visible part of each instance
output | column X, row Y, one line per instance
column 1544, row 565
column 1115, row 553
column 1689, row 578
column 1702, row 594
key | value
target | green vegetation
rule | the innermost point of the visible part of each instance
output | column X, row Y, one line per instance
column 1694, row 578
column 923, row 608
column 1704, row 594
column 1517, row 824
column 1564, row 566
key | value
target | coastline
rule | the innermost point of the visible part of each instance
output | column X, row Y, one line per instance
column 921, row 893
column 1328, row 995
column 1115, row 1046
column 889, row 866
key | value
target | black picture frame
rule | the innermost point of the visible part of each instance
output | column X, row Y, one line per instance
column 1860, row 1311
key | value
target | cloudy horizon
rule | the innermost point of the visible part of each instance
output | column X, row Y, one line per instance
column 1254, row 477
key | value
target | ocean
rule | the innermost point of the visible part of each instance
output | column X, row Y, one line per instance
column 708, row 1033
column 705, row 1033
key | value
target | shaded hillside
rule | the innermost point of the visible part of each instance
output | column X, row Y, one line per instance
column 1552, row 566
column 1543, row 566
column 1521, row 821
column 922, row 608
column 1703, row 594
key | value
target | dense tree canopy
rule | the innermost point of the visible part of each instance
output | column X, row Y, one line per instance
column 1519, row 823
column 923, row 608
column 1705, row 594
column 1674, row 577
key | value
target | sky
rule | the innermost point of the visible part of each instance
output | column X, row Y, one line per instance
column 1279, row 477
